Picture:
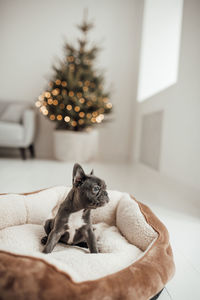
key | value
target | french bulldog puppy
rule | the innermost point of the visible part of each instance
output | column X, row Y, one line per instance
column 72, row 224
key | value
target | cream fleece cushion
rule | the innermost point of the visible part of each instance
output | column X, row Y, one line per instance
column 120, row 228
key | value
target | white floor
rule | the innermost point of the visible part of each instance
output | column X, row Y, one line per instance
column 177, row 205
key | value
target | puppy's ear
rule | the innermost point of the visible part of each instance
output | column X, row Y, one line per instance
column 92, row 172
column 78, row 175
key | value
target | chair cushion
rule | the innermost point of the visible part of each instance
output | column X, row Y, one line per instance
column 13, row 113
column 11, row 134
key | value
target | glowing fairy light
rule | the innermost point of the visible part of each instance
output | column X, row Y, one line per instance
column 89, row 115
column 109, row 105
column 58, row 82
column 41, row 97
column 64, row 83
column 55, row 92
column 67, row 119
column 59, row 117
column 81, row 122
column 69, row 107
column 79, row 95
column 87, row 83
column 50, row 101
column 38, row 103
column 44, row 110
column 73, row 123
column 82, row 100
column 71, row 93
column 85, row 88
column 77, row 108
column 47, row 94
column 95, row 114
column 89, row 103
column 100, row 118
column 52, row 117
column 55, row 102
column 81, row 114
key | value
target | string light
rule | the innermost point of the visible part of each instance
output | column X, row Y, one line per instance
column 89, row 115
column 79, row 95
column 64, row 83
column 55, row 92
column 67, row 119
column 74, row 123
column 81, row 122
column 80, row 83
column 55, row 102
column 68, row 107
column 77, row 108
column 52, row 117
column 58, row 82
column 95, row 114
column 93, row 120
column 82, row 100
column 47, row 95
column 71, row 93
column 38, row 103
column 105, row 100
column 50, row 101
column 44, row 110
column 100, row 118
column 85, row 88
column 41, row 98
column 81, row 114
column 87, row 82
column 59, row 117
column 89, row 103
column 109, row 105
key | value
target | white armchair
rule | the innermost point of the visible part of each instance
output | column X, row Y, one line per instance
column 17, row 128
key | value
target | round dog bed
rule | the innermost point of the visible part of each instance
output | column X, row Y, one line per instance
column 135, row 259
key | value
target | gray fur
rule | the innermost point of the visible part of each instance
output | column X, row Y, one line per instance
column 88, row 192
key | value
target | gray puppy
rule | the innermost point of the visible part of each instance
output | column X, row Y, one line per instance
column 72, row 223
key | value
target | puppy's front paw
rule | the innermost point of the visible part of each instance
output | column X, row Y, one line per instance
column 44, row 240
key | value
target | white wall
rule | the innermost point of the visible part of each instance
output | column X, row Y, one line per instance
column 32, row 33
column 160, row 46
column 180, row 151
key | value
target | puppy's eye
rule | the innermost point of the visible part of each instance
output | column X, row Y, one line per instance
column 95, row 189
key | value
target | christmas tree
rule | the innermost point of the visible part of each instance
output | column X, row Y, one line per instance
column 75, row 98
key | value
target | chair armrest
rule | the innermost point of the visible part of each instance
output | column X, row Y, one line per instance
column 28, row 121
